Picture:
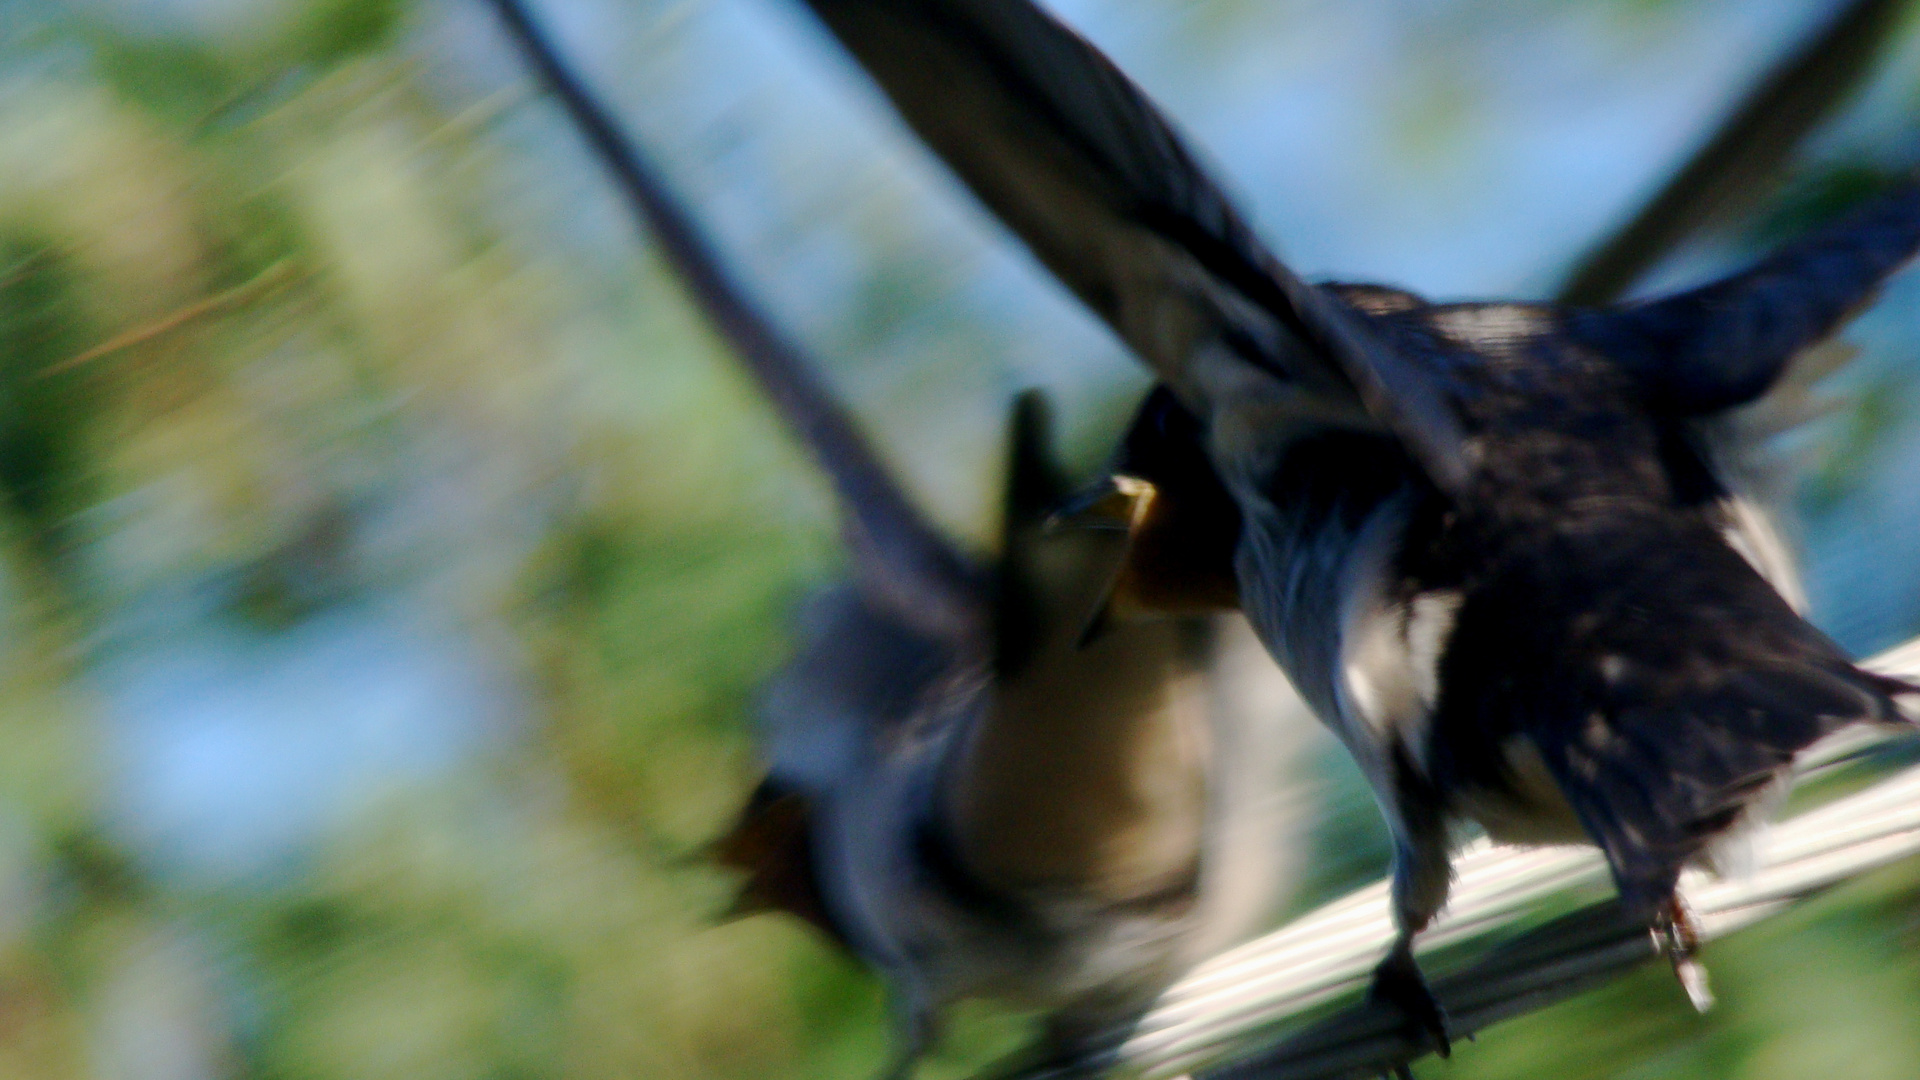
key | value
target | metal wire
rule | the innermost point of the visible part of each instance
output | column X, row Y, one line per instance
column 1251, row 992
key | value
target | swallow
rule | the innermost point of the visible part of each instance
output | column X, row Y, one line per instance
column 1502, row 548
column 961, row 791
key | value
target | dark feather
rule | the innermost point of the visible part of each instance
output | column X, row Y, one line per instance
column 1034, row 490
column 772, row 842
column 900, row 559
column 1069, row 154
column 1723, row 345
column 1660, row 679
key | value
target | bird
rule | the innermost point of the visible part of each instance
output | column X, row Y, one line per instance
column 1503, row 548
column 1036, row 824
column 960, row 789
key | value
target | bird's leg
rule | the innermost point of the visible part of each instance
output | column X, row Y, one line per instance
column 1421, row 875
column 1399, row 982
column 1675, row 934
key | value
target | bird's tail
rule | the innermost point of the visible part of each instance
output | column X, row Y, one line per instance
column 1667, row 691
column 1662, row 779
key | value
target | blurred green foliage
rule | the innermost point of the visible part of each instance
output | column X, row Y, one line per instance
column 282, row 335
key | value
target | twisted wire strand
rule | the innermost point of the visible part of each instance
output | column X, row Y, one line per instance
column 1247, row 994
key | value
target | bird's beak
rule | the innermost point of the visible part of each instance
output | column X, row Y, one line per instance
column 1117, row 502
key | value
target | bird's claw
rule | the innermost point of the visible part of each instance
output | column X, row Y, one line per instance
column 1677, row 936
column 1399, row 982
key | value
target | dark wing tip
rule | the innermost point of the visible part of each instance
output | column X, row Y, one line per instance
column 1075, row 158
column 1893, row 687
column 1032, row 495
column 900, row 559
column 1035, row 488
column 1725, row 344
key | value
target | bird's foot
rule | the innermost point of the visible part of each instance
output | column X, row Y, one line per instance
column 1676, row 934
column 1399, row 982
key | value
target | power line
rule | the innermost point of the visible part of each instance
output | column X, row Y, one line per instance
column 1249, row 993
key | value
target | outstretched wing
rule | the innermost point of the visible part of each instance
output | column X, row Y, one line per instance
column 1074, row 158
column 900, row 560
column 1724, row 344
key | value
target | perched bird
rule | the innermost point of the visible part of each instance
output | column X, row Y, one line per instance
column 1038, row 822
column 1499, row 547
column 959, row 791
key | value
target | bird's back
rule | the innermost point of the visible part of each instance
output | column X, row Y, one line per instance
column 1607, row 632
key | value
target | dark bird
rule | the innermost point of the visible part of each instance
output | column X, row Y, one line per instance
column 958, row 791
column 1501, row 548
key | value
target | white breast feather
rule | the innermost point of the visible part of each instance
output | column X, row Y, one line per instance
column 1750, row 531
column 1391, row 660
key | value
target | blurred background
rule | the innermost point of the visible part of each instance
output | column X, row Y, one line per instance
column 389, row 556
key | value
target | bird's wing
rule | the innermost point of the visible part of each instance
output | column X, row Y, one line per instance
column 1738, row 163
column 901, row 561
column 772, row 842
column 1724, row 344
column 1075, row 159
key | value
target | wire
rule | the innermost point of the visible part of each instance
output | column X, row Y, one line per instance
column 1249, row 993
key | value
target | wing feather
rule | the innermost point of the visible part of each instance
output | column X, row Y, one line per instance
column 1076, row 160
column 1726, row 343
column 900, row 560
